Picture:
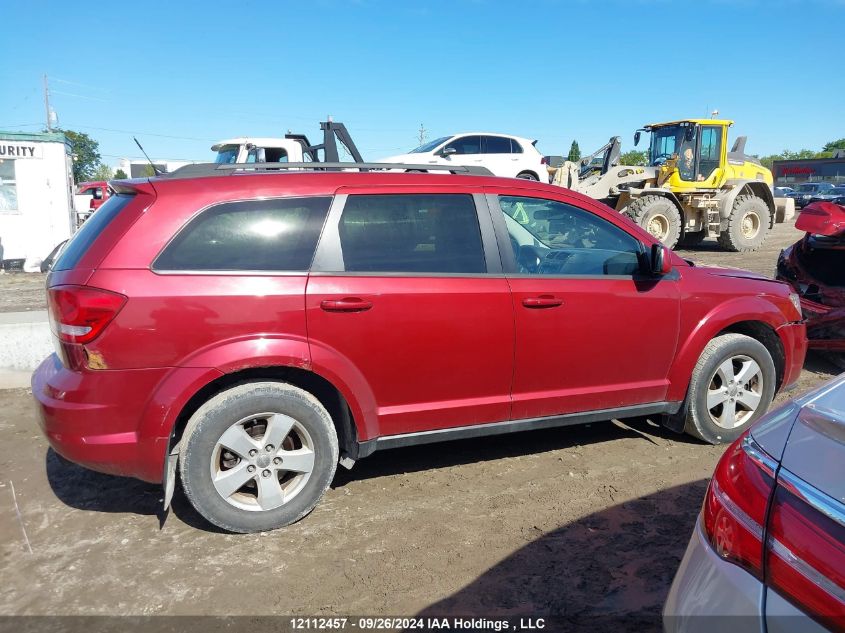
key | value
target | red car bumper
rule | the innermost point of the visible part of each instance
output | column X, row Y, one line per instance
column 94, row 418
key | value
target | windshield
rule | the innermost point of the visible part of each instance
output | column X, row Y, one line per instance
column 665, row 141
column 227, row 154
column 427, row 147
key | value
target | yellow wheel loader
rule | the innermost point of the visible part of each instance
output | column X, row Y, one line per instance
column 692, row 187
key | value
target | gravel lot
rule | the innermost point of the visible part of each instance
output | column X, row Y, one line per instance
column 22, row 292
column 573, row 522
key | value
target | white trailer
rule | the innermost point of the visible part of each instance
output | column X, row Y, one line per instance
column 36, row 194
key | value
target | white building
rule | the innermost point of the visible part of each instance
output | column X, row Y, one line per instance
column 36, row 194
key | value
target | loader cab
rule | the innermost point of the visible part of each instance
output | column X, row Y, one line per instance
column 690, row 153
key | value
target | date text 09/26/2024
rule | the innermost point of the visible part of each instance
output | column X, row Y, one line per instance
column 417, row 623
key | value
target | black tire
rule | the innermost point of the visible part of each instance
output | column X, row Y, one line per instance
column 527, row 175
column 225, row 410
column 699, row 421
column 657, row 215
column 746, row 213
column 689, row 240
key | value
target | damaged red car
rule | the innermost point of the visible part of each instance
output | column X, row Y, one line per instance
column 815, row 267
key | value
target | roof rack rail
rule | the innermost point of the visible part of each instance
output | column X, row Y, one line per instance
column 221, row 169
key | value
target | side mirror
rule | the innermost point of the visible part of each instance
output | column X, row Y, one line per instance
column 636, row 138
column 660, row 260
column 447, row 151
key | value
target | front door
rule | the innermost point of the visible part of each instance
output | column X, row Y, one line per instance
column 407, row 295
column 592, row 333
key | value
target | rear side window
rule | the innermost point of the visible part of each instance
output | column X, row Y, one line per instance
column 266, row 235
column 94, row 225
column 412, row 233
column 497, row 145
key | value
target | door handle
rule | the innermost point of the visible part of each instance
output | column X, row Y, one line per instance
column 347, row 304
column 543, row 301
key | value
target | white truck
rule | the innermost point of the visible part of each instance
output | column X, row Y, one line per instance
column 293, row 148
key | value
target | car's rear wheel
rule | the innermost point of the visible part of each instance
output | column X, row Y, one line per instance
column 258, row 456
column 527, row 175
column 732, row 385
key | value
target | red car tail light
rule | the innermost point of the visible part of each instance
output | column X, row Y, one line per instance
column 79, row 314
column 805, row 560
column 736, row 502
column 544, row 160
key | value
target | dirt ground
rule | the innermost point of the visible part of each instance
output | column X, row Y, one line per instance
column 575, row 522
column 22, row 292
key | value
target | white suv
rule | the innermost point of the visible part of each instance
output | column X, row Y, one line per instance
column 502, row 154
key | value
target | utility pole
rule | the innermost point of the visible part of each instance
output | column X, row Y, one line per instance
column 47, row 104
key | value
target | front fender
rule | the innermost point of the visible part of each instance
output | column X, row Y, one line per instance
column 719, row 318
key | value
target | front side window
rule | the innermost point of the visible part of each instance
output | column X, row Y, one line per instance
column 8, row 186
column 411, row 233
column 553, row 238
column 260, row 235
column 466, row 145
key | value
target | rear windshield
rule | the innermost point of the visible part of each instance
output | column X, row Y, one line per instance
column 94, row 225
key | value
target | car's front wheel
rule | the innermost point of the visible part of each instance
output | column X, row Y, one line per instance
column 258, row 456
column 732, row 385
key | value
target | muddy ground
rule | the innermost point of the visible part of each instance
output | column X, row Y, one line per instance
column 574, row 522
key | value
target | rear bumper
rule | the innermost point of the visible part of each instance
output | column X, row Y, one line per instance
column 793, row 337
column 95, row 418
column 709, row 594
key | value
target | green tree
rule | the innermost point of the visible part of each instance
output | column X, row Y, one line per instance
column 103, row 172
column 149, row 171
column 574, row 152
column 834, row 145
column 633, row 157
column 120, row 175
column 86, row 154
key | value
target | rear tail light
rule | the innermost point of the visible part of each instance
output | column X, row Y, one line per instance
column 544, row 160
column 79, row 314
column 805, row 560
column 735, row 505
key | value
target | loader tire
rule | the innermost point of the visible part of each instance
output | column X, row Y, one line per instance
column 692, row 239
column 747, row 225
column 657, row 215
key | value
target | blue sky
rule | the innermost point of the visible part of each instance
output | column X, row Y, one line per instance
column 181, row 75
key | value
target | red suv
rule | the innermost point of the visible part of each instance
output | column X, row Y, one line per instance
column 253, row 330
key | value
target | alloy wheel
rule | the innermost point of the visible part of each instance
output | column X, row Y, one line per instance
column 734, row 392
column 262, row 462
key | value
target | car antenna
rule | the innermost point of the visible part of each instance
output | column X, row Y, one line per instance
column 155, row 169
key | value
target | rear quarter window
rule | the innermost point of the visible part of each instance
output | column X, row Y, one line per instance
column 253, row 235
column 91, row 230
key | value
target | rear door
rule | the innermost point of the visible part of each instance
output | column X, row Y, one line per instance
column 591, row 332
column 497, row 156
column 407, row 292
